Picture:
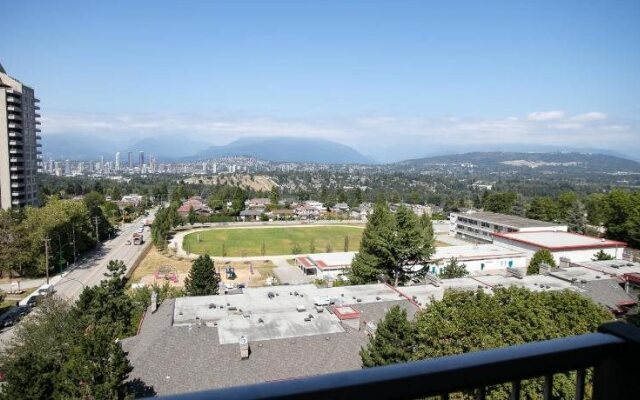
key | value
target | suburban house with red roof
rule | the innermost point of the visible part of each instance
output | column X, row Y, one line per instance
column 199, row 206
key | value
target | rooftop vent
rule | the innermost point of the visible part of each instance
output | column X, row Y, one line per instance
column 243, row 344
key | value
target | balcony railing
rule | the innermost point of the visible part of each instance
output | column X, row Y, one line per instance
column 612, row 353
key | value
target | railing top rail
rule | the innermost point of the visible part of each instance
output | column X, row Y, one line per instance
column 439, row 375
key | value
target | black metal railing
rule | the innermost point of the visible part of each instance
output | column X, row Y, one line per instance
column 612, row 354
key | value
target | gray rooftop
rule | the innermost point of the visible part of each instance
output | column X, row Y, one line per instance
column 606, row 292
column 611, row 267
column 557, row 240
column 177, row 359
column 508, row 220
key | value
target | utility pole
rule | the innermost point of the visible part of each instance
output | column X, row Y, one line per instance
column 97, row 234
column 46, row 256
column 73, row 230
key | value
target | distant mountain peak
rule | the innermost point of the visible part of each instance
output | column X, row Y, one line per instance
column 287, row 149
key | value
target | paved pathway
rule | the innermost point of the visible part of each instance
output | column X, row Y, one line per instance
column 287, row 273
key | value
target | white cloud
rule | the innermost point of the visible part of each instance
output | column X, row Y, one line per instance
column 545, row 115
column 590, row 116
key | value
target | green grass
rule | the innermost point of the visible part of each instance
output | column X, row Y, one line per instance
column 278, row 241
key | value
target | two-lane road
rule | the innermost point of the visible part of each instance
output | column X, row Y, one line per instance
column 90, row 271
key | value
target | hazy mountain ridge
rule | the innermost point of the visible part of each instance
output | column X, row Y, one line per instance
column 287, row 149
column 553, row 160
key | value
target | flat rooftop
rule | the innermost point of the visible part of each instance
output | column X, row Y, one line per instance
column 178, row 359
column 333, row 259
column 475, row 252
column 579, row 274
column 611, row 267
column 555, row 240
column 512, row 221
column 278, row 312
column 536, row 283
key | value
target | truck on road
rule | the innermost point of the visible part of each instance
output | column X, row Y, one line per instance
column 137, row 238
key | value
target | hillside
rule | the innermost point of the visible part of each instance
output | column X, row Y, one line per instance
column 259, row 183
column 584, row 162
column 287, row 149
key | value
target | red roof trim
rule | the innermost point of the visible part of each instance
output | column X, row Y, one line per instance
column 600, row 245
column 305, row 262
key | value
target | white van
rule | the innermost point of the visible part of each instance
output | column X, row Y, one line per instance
column 46, row 290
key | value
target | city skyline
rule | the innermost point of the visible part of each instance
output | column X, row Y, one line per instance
column 384, row 78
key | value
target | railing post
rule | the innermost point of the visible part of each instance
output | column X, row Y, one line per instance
column 615, row 377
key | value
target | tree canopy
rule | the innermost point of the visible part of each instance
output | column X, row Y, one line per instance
column 70, row 350
column 467, row 321
column 540, row 257
column 453, row 269
column 392, row 246
column 202, row 279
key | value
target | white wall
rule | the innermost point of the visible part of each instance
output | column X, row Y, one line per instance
column 573, row 255
column 476, row 267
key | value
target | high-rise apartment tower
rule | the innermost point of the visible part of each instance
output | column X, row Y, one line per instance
column 19, row 143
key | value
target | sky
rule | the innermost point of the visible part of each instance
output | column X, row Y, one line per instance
column 393, row 79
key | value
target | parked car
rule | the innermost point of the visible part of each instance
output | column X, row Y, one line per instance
column 33, row 300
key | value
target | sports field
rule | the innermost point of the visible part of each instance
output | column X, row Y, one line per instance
column 247, row 242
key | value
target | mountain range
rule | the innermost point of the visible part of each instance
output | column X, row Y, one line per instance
column 496, row 161
column 312, row 150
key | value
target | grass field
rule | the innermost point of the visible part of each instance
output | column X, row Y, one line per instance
column 277, row 241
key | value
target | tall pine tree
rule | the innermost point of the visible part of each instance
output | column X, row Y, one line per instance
column 202, row 279
column 393, row 341
column 376, row 247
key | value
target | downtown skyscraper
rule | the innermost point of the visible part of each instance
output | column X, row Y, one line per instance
column 19, row 143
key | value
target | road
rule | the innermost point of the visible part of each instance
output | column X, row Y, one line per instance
column 90, row 271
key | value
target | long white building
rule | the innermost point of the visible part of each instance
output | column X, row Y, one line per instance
column 481, row 226
column 19, row 143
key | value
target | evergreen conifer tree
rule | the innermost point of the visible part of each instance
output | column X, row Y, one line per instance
column 202, row 279
column 393, row 341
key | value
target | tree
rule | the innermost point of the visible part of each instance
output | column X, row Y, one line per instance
column 275, row 195
column 453, row 270
column 376, row 247
column 622, row 219
column 296, row 249
column 192, row 217
column 263, row 249
column 202, row 279
column 601, row 255
column 97, row 368
column 108, row 304
column 540, row 257
column 543, row 209
column 576, row 217
column 392, row 246
column 500, row 202
column 393, row 341
column 409, row 246
column 467, row 321
column 346, row 243
column 328, row 248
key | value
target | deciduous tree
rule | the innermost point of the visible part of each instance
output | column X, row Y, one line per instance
column 540, row 257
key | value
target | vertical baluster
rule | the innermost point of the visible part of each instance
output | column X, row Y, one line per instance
column 548, row 385
column 515, row 390
column 580, row 376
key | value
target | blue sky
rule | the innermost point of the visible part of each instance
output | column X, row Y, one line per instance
column 380, row 76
